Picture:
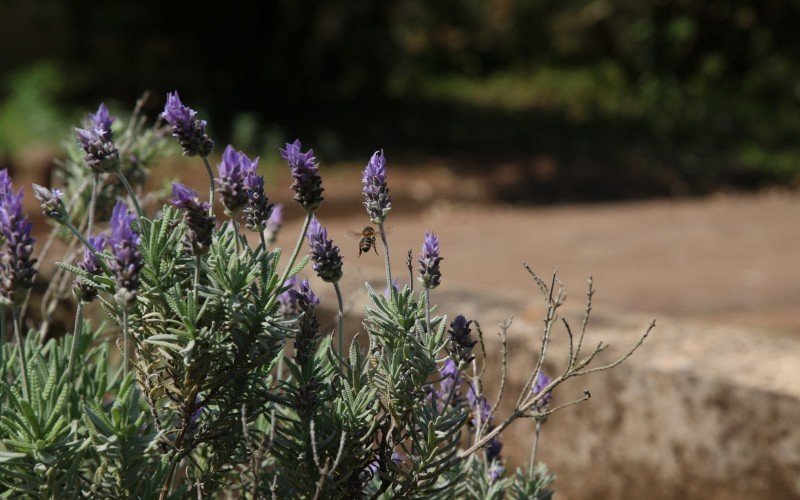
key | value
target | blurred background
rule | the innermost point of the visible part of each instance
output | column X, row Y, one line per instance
column 655, row 145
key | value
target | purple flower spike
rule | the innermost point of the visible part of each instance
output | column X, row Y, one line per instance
column 51, row 203
column 99, row 152
column 186, row 128
column 326, row 256
column 450, row 378
column 288, row 303
column 376, row 193
column 84, row 288
column 5, row 183
column 233, row 169
column 199, row 224
column 274, row 224
column 429, row 260
column 258, row 209
column 387, row 292
column 461, row 343
column 542, row 381
column 101, row 121
column 127, row 263
column 16, row 265
column 307, row 184
column 308, row 325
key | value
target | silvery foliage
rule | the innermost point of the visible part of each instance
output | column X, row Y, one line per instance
column 217, row 402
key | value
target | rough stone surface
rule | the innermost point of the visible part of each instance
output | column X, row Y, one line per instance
column 699, row 412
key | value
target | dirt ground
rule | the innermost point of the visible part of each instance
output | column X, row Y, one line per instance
column 728, row 258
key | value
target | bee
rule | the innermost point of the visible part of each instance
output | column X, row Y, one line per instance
column 367, row 240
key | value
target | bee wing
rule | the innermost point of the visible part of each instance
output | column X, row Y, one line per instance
column 354, row 234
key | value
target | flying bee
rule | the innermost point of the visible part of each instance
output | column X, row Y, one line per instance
column 367, row 240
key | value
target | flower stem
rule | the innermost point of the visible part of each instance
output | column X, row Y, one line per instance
column 92, row 204
column 75, row 334
column 21, row 348
column 132, row 195
column 197, row 264
column 387, row 262
column 341, row 319
column 428, row 310
column 293, row 258
column 534, row 448
column 212, row 185
column 125, row 346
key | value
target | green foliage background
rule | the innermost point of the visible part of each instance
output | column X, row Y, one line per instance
column 630, row 98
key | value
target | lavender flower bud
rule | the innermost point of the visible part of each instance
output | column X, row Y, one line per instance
column 429, row 261
column 51, row 202
column 101, row 121
column 16, row 265
column 307, row 183
column 493, row 449
column 482, row 416
column 450, row 382
column 542, row 381
column 84, row 289
column 258, row 209
column 376, row 193
column 461, row 344
column 308, row 325
column 326, row 256
column 387, row 292
column 233, row 169
column 274, row 224
column 496, row 469
column 99, row 152
column 5, row 183
column 288, row 303
column 127, row 263
column 186, row 128
column 199, row 224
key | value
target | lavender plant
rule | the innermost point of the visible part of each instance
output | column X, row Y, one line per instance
column 228, row 383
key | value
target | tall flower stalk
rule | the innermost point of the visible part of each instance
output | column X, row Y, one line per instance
column 429, row 273
column 124, row 242
column 191, row 134
column 327, row 261
column 17, row 269
column 378, row 202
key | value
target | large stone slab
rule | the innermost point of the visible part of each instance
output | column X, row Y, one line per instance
column 701, row 411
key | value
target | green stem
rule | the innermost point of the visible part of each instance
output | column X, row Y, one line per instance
column 236, row 235
column 21, row 348
column 386, row 260
column 212, row 185
column 534, row 448
column 428, row 310
column 92, row 204
column 132, row 195
column 197, row 263
column 293, row 258
column 341, row 319
column 125, row 343
column 75, row 335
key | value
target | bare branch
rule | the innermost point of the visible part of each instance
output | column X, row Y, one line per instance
column 503, row 334
column 623, row 358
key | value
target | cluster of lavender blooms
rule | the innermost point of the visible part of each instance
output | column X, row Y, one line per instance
column 199, row 222
column 307, row 185
column 229, row 380
column 16, row 262
column 97, row 141
column 127, row 263
column 376, row 192
column 187, row 128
